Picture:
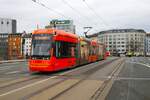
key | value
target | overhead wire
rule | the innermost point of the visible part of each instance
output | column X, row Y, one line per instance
column 100, row 19
column 99, row 16
column 77, row 12
column 54, row 11
column 96, row 14
column 81, row 15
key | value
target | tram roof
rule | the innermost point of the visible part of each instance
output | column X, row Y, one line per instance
column 54, row 31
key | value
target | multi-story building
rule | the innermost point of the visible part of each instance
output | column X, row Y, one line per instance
column 123, row 41
column 8, row 25
column 66, row 25
column 3, row 46
column 15, row 46
column 26, row 43
column 147, row 44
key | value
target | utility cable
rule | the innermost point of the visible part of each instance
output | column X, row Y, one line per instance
column 94, row 12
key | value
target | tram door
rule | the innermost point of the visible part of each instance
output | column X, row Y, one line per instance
column 84, row 52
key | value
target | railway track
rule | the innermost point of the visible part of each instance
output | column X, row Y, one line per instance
column 41, row 90
column 60, row 80
column 19, row 81
column 102, row 91
column 95, row 68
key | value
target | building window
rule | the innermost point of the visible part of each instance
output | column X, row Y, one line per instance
column 122, row 45
column 2, row 22
column 122, row 42
column 7, row 23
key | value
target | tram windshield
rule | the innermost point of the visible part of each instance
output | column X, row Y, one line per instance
column 41, row 45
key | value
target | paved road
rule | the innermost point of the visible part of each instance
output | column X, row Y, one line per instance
column 80, row 83
column 112, row 79
column 133, row 82
column 11, row 71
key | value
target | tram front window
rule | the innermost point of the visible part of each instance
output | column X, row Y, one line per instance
column 41, row 45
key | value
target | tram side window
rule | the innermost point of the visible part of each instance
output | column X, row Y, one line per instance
column 92, row 50
column 65, row 49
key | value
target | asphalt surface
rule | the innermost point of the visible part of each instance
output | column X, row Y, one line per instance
column 12, row 71
column 111, row 79
column 133, row 82
column 16, row 82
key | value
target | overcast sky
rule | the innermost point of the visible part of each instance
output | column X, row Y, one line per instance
column 105, row 14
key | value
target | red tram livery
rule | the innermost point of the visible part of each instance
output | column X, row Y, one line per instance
column 54, row 50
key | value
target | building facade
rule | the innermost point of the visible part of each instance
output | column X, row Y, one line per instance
column 66, row 25
column 15, row 46
column 3, row 46
column 26, row 44
column 8, row 25
column 147, row 44
column 123, row 41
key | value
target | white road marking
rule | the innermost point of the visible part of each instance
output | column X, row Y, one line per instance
column 13, row 72
column 12, row 61
column 7, row 67
column 9, row 64
column 30, row 85
column 27, row 86
column 4, row 68
column 69, row 71
column 35, row 83
column 109, row 77
column 141, row 64
column 144, row 64
column 132, row 78
column 12, row 65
